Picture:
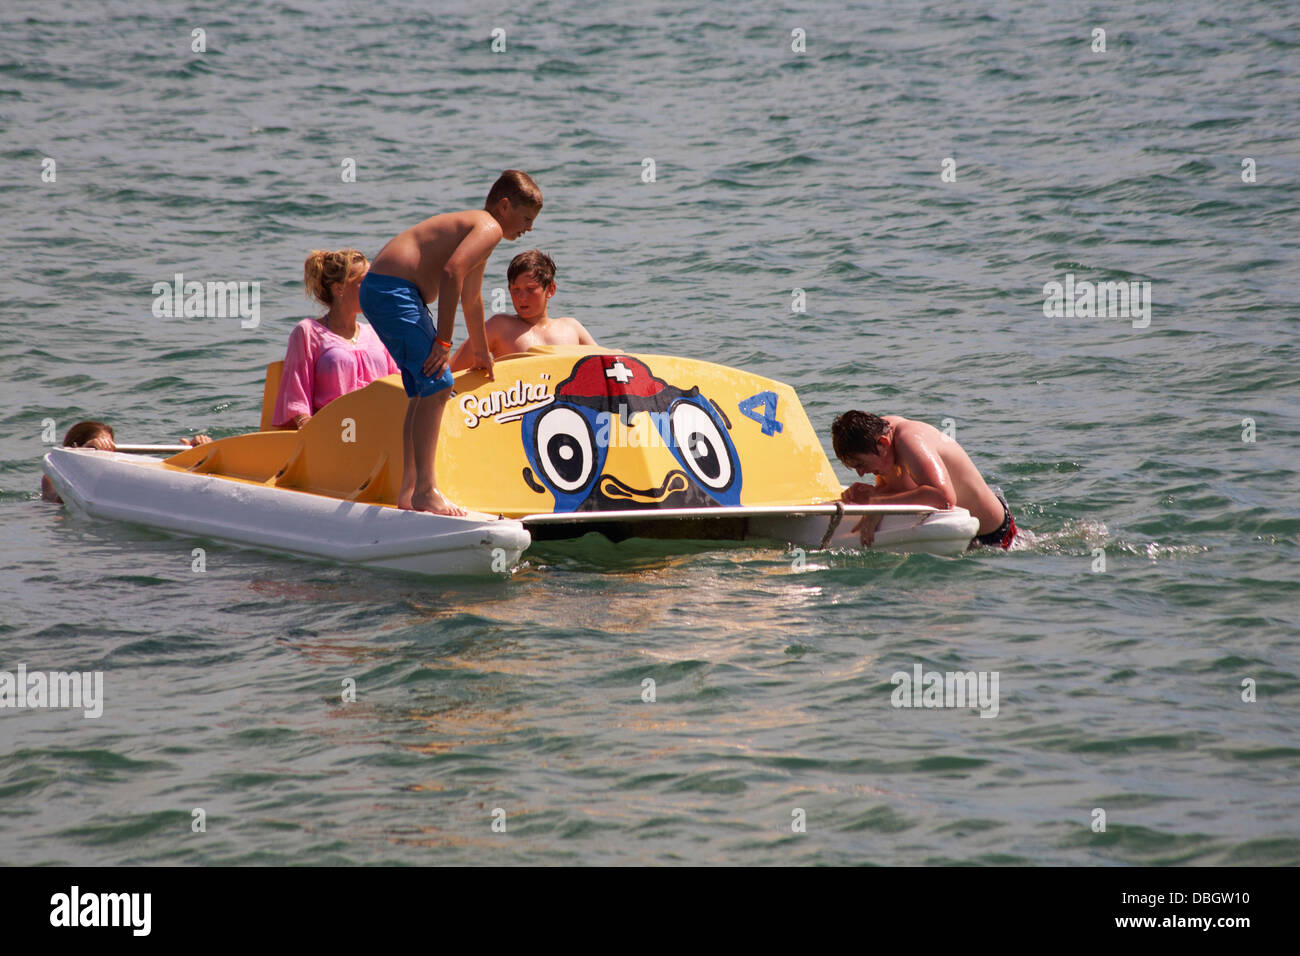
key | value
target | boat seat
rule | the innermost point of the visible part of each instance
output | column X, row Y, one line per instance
column 270, row 392
column 352, row 448
column 253, row 457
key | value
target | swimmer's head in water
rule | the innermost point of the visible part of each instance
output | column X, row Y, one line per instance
column 84, row 434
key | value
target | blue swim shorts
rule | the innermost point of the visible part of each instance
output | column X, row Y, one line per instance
column 396, row 311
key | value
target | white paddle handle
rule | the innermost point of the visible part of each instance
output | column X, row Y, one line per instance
column 151, row 449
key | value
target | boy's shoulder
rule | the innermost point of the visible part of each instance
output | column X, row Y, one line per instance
column 907, row 425
column 479, row 218
column 574, row 324
column 916, row 441
column 463, row 219
column 504, row 325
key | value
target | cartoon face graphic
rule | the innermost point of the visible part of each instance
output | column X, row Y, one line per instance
column 618, row 437
column 560, row 441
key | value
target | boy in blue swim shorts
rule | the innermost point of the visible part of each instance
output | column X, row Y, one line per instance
column 441, row 259
column 408, row 330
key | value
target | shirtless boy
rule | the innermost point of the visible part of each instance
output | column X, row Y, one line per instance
column 441, row 259
column 915, row 464
column 532, row 283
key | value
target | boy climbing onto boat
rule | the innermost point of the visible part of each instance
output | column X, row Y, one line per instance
column 440, row 259
column 532, row 283
column 916, row 464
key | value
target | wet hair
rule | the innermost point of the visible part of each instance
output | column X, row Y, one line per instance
column 857, row 432
column 83, row 433
column 517, row 186
column 324, row 268
column 533, row 263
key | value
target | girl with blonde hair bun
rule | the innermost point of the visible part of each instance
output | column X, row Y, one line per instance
column 334, row 354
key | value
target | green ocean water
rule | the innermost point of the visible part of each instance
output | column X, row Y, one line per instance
column 1167, row 449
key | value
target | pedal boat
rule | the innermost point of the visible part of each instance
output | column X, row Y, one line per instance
column 565, row 441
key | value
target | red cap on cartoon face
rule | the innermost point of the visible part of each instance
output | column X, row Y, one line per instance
column 599, row 376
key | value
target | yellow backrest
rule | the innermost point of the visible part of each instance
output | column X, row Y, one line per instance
column 253, row 457
column 270, row 392
column 346, row 448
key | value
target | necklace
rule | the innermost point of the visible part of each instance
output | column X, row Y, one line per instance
column 355, row 335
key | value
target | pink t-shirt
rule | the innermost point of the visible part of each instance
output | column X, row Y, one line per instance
column 321, row 365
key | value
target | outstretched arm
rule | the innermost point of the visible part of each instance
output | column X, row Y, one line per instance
column 463, row 358
column 470, row 257
column 474, row 324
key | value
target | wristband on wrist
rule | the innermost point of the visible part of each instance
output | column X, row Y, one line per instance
column 444, row 343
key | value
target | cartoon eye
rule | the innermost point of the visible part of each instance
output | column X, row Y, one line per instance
column 703, row 448
column 564, row 448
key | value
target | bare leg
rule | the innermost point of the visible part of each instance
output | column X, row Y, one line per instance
column 408, row 456
column 425, row 428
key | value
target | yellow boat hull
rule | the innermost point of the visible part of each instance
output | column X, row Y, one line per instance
column 580, row 439
column 557, row 430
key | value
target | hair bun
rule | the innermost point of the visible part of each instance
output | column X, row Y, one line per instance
column 325, row 268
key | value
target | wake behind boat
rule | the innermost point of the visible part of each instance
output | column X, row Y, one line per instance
column 564, row 442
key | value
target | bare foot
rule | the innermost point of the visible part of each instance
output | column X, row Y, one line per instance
column 435, row 502
column 404, row 502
